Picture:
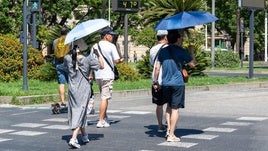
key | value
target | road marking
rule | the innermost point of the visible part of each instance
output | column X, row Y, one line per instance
column 3, row 139
column 178, row 144
column 28, row 133
column 24, row 113
column 218, row 129
column 237, row 123
column 118, row 116
column 31, row 125
column 5, row 131
column 253, row 118
column 56, row 120
column 136, row 112
column 114, row 111
column 58, row 127
column 201, row 136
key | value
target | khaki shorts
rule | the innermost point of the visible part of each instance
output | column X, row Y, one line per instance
column 105, row 87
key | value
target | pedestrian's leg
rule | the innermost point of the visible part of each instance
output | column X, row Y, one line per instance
column 103, row 108
column 168, row 117
column 159, row 115
column 173, row 123
column 73, row 141
column 84, row 135
column 62, row 93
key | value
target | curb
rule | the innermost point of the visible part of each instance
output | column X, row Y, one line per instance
column 146, row 92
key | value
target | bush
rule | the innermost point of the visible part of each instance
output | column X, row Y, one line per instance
column 225, row 59
column 11, row 59
column 127, row 72
column 46, row 72
column 144, row 67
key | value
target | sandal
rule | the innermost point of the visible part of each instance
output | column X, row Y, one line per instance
column 173, row 138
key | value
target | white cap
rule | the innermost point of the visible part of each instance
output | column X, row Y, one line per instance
column 162, row 33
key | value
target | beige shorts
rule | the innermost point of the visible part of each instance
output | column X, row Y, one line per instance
column 105, row 87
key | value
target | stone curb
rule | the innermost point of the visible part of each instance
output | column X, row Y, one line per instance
column 126, row 93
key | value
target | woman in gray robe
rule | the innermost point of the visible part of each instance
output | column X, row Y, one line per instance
column 79, row 67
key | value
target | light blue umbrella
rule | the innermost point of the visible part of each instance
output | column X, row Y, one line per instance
column 185, row 20
column 85, row 28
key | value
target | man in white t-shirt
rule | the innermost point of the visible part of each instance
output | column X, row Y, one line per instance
column 162, row 42
column 105, row 77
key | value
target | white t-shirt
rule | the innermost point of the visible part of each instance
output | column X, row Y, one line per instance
column 153, row 51
column 109, row 50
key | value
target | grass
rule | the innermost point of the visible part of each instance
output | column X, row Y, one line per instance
column 36, row 87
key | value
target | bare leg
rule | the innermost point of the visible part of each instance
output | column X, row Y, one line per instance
column 62, row 92
column 168, row 116
column 75, row 133
column 83, row 131
column 174, row 120
column 103, row 109
column 159, row 115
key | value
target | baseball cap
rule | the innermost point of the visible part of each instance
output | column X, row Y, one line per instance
column 108, row 30
column 162, row 33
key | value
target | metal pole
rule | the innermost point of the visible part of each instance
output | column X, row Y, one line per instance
column 241, row 41
column 126, row 37
column 265, row 43
column 109, row 10
column 34, row 41
column 213, row 37
column 251, row 51
column 25, row 37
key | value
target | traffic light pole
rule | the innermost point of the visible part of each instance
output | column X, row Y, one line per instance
column 24, row 41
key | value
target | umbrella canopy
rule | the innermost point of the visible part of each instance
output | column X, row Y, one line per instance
column 184, row 20
column 85, row 28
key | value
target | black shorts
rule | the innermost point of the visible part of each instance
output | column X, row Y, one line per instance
column 175, row 95
column 157, row 97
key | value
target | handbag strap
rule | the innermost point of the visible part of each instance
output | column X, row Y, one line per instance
column 174, row 59
column 83, row 74
column 158, row 51
column 105, row 58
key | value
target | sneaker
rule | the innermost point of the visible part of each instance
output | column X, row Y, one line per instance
column 74, row 143
column 102, row 124
column 85, row 139
column 107, row 119
column 173, row 138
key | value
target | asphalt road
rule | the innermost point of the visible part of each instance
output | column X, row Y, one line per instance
column 222, row 119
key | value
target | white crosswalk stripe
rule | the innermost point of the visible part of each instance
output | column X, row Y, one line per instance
column 28, row 133
column 58, row 127
column 4, row 139
column 136, row 112
column 56, row 120
column 219, row 129
column 200, row 136
column 253, row 118
column 237, row 123
column 178, row 144
column 31, row 125
column 5, row 131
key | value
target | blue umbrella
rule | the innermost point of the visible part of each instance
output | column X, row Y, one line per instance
column 185, row 19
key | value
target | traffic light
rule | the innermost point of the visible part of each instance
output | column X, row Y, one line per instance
column 35, row 5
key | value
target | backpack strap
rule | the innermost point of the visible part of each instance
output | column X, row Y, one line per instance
column 105, row 58
column 158, row 52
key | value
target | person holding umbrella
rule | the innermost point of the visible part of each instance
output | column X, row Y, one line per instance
column 171, row 59
column 79, row 67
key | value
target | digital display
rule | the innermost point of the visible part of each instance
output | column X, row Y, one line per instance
column 126, row 5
